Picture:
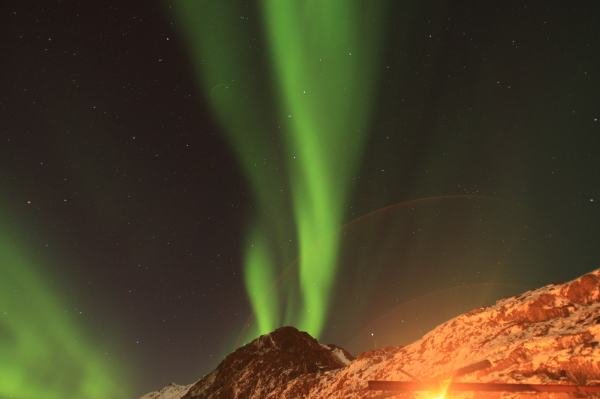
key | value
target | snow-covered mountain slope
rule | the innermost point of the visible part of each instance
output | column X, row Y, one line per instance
column 549, row 335
column 171, row 391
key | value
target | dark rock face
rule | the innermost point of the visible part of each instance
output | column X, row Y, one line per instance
column 272, row 360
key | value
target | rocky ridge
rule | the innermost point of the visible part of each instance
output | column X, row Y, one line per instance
column 548, row 335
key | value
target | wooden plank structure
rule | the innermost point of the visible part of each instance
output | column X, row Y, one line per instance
column 437, row 384
column 413, row 386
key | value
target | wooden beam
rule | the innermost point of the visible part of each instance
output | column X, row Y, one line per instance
column 411, row 386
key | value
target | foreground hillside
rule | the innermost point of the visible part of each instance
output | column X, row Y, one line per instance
column 549, row 335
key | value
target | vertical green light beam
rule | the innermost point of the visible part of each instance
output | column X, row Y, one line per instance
column 321, row 68
column 259, row 284
column 221, row 50
column 323, row 53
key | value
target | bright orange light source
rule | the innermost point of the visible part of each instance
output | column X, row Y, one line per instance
column 443, row 391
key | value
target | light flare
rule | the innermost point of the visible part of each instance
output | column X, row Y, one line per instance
column 442, row 393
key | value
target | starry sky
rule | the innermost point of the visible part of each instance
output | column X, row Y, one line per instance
column 123, row 198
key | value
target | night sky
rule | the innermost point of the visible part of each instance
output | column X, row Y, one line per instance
column 129, row 202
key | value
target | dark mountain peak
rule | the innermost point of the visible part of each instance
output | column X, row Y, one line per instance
column 285, row 338
column 270, row 360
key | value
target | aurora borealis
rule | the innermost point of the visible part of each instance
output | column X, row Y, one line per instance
column 179, row 176
column 45, row 354
column 323, row 56
column 322, row 83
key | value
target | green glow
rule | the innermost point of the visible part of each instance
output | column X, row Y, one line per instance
column 302, row 129
column 322, row 53
column 222, row 57
column 259, row 278
column 43, row 355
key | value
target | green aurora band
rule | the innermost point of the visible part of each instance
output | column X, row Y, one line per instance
column 321, row 59
column 43, row 354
